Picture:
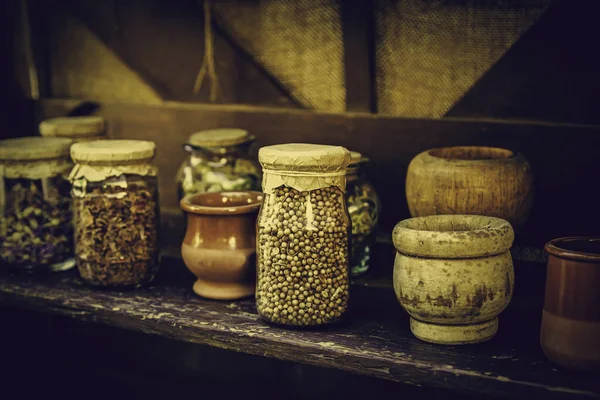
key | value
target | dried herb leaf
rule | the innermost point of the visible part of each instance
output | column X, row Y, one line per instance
column 35, row 228
column 116, row 232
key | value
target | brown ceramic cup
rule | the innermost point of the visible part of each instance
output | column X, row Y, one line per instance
column 220, row 243
column 570, row 334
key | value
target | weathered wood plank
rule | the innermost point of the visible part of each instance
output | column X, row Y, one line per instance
column 563, row 157
column 375, row 341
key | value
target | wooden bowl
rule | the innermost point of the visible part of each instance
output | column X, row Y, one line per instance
column 470, row 180
column 220, row 243
column 453, row 274
column 570, row 333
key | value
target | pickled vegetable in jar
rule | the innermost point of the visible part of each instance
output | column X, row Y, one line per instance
column 78, row 129
column 364, row 208
column 303, row 235
column 116, row 212
column 36, row 231
column 218, row 161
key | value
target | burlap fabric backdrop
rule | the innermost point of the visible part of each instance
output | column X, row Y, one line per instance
column 429, row 53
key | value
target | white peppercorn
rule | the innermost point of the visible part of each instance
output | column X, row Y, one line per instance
column 316, row 258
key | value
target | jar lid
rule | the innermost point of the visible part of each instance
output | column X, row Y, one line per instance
column 303, row 166
column 219, row 137
column 112, row 150
column 356, row 158
column 304, row 157
column 73, row 126
column 34, row 148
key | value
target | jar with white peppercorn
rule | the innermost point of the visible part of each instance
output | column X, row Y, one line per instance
column 116, row 212
column 36, row 232
column 303, row 243
column 78, row 129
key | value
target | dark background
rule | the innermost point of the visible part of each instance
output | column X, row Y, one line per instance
column 541, row 98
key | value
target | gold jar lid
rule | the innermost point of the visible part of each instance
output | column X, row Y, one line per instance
column 73, row 127
column 219, row 137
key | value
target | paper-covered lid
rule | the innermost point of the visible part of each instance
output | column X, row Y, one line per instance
column 219, row 137
column 304, row 157
column 34, row 148
column 73, row 126
column 109, row 151
column 303, row 166
column 355, row 157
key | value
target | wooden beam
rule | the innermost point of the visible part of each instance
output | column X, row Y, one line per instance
column 35, row 48
column 222, row 30
column 163, row 42
column 359, row 55
column 564, row 157
column 16, row 111
column 548, row 74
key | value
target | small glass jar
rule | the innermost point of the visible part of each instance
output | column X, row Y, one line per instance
column 116, row 212
column 364, row 208
column 78, row 129
column 36, row 231
column 219, row 161
column 303, row 235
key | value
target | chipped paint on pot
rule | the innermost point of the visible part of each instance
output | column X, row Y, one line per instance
column 453, row 274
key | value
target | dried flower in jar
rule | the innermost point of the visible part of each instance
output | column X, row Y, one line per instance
column 303, row 276
column 116, row 237
column 35, row 227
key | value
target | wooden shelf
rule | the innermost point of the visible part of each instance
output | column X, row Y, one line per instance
column 375, row 341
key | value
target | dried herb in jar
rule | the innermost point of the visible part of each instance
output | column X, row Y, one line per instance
column 35, row 227
column 115, row 198
column 116, row 235
column 232, row 175
column 363, row 213
column 363, row 207
column 219, row 161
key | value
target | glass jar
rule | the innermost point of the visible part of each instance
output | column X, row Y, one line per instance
column 364, row 208
column 116, row 212
column 303, row 235
column 36, row 230
column 78, row 129
column 218, row 161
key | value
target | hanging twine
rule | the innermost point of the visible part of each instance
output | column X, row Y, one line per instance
column 208, row 62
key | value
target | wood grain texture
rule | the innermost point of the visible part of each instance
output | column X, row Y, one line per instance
column 375, row 341
column 563, row 157
column 470, row 180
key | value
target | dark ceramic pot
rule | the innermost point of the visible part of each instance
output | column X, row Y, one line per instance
column 220, row 243
column 570, row 333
